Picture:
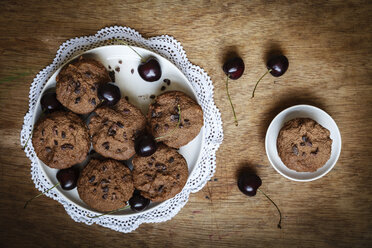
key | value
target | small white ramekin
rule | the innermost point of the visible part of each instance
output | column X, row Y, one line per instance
column 302, row 111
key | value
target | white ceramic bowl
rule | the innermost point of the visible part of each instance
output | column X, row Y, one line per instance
column 302, row 111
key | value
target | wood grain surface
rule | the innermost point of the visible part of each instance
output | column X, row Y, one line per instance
column 329, row 47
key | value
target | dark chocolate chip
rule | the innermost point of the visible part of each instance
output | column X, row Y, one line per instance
column 302, row 144
column 77, row 90
column 119, row 124
column 166, row 126
column 111, row 132
column 77, row 100
column 120, row 61
column 304, row 138
column 160, row 166
column 106, row 145
column 303, row 154
column 156, row 127
column 67, row 146
column 126, row 111
column 94, row 190
column 43, row 132
column 93, row 101
column 118, row 150
column 92, row 88
column 152, row 96
column 104, row 196
column 160, row 189
column 48, row 149
column 42, row 139
column 149, row 164
column 109, row 67
column 162, row 88
column 175, row 117
column 88, row 74
column 125, row 136
column 167, row 81
column 132, row 71
column 63, row 135
column 71, row 127
column 56, row 142
column 178, row 176
column 171, row 160
column 180, row 125
column 104, row 168
column 105, row 189
column 112, row 75
column 295, row 150
column 152, row 159
column 92, row 178
column 315, row 152
column 186, row 120
column 117, row 68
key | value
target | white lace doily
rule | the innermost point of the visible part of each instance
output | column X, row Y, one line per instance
column 171, row 49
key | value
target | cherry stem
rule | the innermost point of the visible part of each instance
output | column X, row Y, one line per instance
column 280, row 214
column 124, row 43
column 178, row 124
column 27, row 202
column 259, row 81
column 228, row 95
column 113, row 211
column 29, row 137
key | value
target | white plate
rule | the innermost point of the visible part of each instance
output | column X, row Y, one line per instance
column 302, row 111
column 139, row 92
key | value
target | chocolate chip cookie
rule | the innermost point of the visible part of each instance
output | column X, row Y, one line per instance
column 114, row 129
column 304, row 145
column 161, row 175
column 77, row 84
column 164, row 118
column 61, row 139
column 105, row 185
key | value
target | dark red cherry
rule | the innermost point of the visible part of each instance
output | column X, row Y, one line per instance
column 68, row 178
column 145, row 145
column 249, row 183
column 278, row 65
column 109, row 93
column 138, row 202
column 49, row 102
column 234, row 68
column 150, row 70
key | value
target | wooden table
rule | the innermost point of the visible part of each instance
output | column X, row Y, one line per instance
column 329, row 46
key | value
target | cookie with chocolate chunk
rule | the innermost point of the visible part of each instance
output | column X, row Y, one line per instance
column 164, row 118
column 304, row 145
column 77, row 84
column 114, row 129
column 161, row 175
column 105, row 185
column 61, row 139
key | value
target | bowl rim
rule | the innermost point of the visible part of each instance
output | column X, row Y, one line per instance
column 308, row 108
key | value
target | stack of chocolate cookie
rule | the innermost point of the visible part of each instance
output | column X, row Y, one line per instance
column 62, row 139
